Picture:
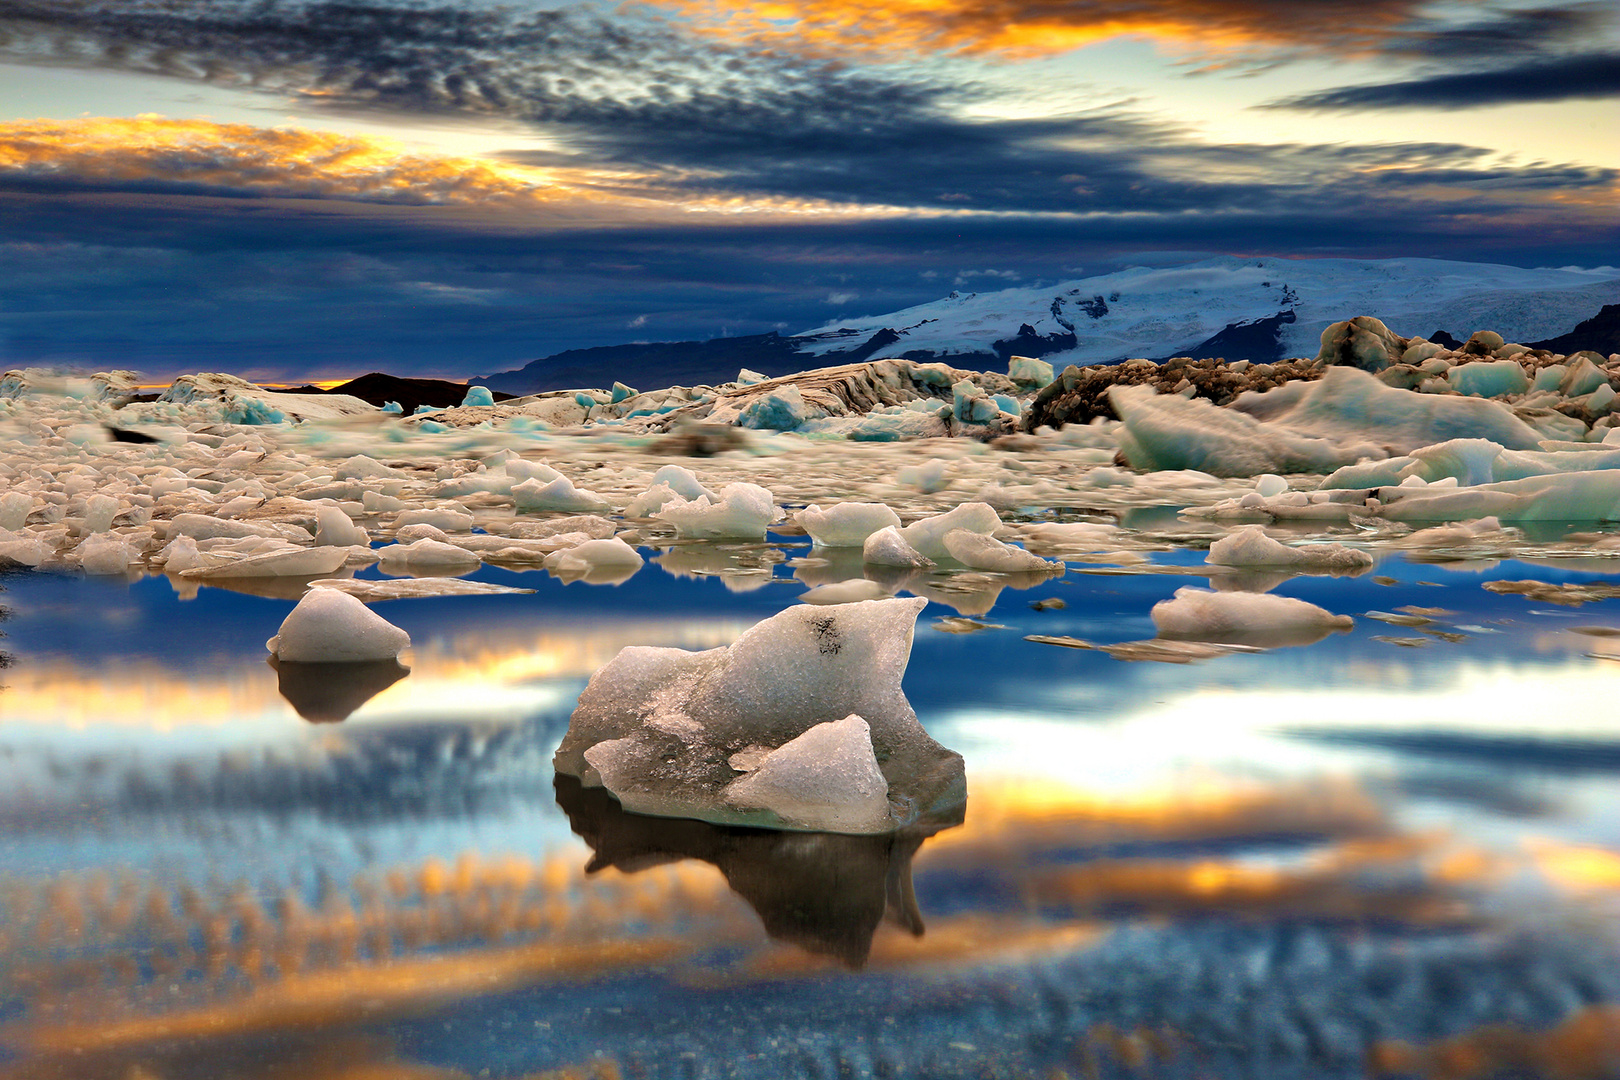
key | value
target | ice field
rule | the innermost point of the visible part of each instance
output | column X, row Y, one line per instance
column 847, row 724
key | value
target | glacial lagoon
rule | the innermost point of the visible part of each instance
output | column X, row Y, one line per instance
column 1388, row 852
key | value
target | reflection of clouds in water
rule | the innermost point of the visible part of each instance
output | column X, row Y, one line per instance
column 1037, row 898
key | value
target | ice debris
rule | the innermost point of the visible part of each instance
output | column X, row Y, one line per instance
column 662, row 729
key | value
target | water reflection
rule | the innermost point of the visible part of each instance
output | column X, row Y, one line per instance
column 328, row 693
column 824, row 892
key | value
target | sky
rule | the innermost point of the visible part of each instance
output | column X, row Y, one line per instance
column 314, row 189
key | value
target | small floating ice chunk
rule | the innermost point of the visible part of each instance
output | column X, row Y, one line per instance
column 1269, row 485
column 1244, row 618
column 781, row 409
column 1470, row 461
column 1250, row 546
column 826, row 779
column 478, row 396
column 1029, row 372
column 99, row 511
column 741, row 510
column 887, row 547
column 334, row 528
column 23, row 548
column 329, row 626
column 594, row 554
column 372, row 592
column 361, row 467
column 557, row 495
column 425, row 554
column 104, row 554
column 929, row 477
column 1489, row 378
column 987, row 553
column 844, row 592
column 15, row 506
column 285, row 562
column 928, row 535
column 845, row 524
column 449, row 520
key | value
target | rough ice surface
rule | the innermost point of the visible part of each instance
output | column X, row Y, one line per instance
column 845, row 524
column 329, row 627
column 659, row 727
column 927, row 536
column 826, row 779
column 1250, row 546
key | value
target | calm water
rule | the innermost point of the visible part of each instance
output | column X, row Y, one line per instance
column 1395, row 851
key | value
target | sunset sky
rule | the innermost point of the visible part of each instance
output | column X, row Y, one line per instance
column 318, row 189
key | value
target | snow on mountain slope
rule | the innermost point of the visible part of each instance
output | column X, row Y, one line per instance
column 1158, row 312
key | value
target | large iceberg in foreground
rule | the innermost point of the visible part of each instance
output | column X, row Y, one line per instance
column 800, row 724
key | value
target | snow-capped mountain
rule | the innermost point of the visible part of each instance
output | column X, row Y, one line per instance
column 1160, row 312
column 1255, row 309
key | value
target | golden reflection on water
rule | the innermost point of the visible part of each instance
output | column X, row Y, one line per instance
column 488, row 664
column 111, row 963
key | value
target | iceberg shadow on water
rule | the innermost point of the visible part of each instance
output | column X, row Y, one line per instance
column 326, row 693
column 827, row 893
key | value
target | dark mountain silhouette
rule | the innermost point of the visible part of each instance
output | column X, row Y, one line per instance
column 1600, row 333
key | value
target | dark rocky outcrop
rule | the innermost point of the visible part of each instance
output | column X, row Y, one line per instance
column 379, row 389
column 1080, row 394
column 1600, row 334
column 663, row 363
column 1029, row 343
column 1258, row 340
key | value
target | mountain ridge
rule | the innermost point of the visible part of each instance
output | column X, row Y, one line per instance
column 1259, row 309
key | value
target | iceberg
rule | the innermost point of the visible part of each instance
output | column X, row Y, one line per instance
column 329, row 626
column 680, row 734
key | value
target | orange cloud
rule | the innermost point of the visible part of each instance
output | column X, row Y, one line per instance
column 202, row 157
column 1012, row 29
column 240, row 158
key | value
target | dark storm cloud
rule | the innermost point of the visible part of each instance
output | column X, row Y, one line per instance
column 1547, row 30
column 566, row 66
column 1581, row 77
